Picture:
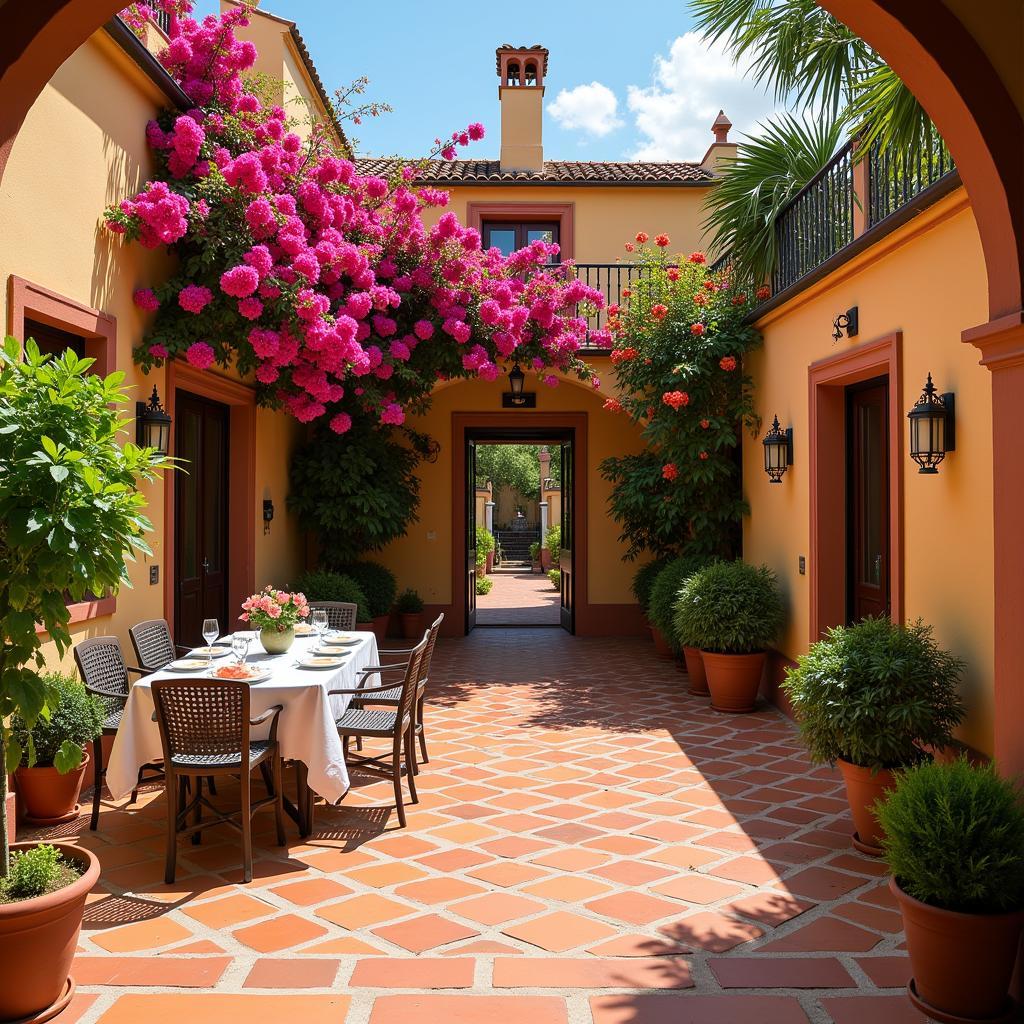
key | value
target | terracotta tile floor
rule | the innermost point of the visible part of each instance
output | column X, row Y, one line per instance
column 519, row 599
column 591, row 845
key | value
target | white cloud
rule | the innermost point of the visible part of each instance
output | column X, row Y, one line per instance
column 592, row 109
column 673, row 115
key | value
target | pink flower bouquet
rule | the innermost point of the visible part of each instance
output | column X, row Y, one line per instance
column 276, row 610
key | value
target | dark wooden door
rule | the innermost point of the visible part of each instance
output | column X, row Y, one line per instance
column 200, row 516
column 868, row 590
column 565, row 561
column 470, row 491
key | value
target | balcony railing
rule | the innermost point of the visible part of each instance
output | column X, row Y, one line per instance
column 163, row 20
column 893, row 184
column 610, row 279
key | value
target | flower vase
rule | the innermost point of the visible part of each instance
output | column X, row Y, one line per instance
column 277, row 641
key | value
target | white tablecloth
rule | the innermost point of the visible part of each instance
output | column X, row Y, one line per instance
column 305, row 731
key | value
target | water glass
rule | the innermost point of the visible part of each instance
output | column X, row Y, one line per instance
column 240, row 646
column 320, row 623
column 211, row 630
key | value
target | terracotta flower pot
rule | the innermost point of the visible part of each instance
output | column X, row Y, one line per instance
column 37, row 943
column 49, row 798
column 412, row 625
column 380, row 628
column 661, row 645
column 733, row 680
column 277, row 641
column 695, row 670
column 961, row 963
column 862, row 791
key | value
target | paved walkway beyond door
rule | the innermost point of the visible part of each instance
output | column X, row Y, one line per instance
column 591, row 846
column 519, row 599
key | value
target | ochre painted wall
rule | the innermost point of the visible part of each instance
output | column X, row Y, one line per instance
column 425, row 564
column 928, row 281
column 91, row 118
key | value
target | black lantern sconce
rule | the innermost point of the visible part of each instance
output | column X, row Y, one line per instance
column 848, row 321
column 152, row 424
column 516, row 397
column 778, row 451
column 268, row 514
column 932, row 428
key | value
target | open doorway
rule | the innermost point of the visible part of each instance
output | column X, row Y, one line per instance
column 518, row 490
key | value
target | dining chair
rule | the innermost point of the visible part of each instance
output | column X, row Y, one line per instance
column 391, row 696
column 105, row 675
column 340, row 614
column 205, row 730
column 154, row 648
column 382, row 723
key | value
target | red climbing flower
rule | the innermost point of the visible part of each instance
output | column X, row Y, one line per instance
column 727, row 363
column 662, row 241
column 669, row 471
column 697, row 329
column 659, row 311
column 676, row 399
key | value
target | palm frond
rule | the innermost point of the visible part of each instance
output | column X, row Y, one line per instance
column 769, row 169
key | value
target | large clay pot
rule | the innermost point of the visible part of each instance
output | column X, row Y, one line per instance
column 661, row 645
column 863, row 790
column 37, row 943
column 380, row 628
column 412, row 625
column 733, row 680
column 48, row 797
column 695, row 670
column 961, row 963
column 277, row 641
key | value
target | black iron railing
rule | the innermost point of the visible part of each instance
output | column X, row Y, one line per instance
column 611, row 280
column 163, row 19
column 894, row 183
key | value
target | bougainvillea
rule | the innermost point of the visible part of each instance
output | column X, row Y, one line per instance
column 322, row 283
column 678, row 344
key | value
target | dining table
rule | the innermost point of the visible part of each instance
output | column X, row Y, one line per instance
column 306, row 730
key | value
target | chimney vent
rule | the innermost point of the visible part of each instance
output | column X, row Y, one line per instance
column 521, row 73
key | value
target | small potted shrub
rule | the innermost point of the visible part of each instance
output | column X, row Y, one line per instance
column 661, row 608
column 49, row 788
column 643, row 581
column 954, row 840
column 535, row 556
column 555, row 575
column 380, row 587
column 484, row 585
column 732, row 612
column 484, row 551
column 870, row 698
column 551, row 551
column 410, row 614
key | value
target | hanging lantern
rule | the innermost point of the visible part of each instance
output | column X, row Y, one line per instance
column 778, row 451
column 516, row 379
column 932, row 428
column 152, row 424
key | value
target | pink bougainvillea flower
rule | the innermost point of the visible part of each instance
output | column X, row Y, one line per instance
column 145, row 299
column 194, row 298
column 200, row 355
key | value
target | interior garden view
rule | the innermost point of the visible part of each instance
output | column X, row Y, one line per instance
column 507, row 588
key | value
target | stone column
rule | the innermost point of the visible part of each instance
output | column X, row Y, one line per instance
column 545, row 555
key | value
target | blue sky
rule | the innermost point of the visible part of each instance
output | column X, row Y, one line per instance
column 624, row 82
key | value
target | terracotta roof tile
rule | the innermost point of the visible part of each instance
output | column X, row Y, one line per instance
column 556, row 172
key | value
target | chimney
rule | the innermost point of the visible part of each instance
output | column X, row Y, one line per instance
column 521, row 72
column 721, row 149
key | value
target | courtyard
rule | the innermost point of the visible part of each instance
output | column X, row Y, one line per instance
column 590, row 844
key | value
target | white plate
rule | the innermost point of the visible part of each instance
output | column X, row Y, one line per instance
column 214, row 651
column 257, row 677
column 304, row 629
column 331, row 652
column 339, row 641
column 322, row 662
column 188, row 665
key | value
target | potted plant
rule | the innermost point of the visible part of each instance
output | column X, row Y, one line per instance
column 555, row 575
column 551, row 552
column 535, row 556
column 660, row 609
column 275, row 613
column 49, row 788
column 484, row 550
column 380, row 587
column 410, row 613
column 643, row 581
column 732, row 612
column 871, row 698
column 954, row 840
column 70, row 514
column 323, row 585
column 484, row 585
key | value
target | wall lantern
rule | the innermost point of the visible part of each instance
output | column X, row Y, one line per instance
column 268, row 514
column 848, row 321
column 516, row 397
column 932, row 428
column 152, row 424
column 778, row 451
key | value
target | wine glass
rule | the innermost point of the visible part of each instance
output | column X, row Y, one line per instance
column 320, row 624
column 240, row 646
column 211, row 630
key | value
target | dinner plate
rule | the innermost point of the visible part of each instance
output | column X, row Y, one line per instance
column 188, row 665
column 304, row 629
column 339, row 641
column 321, row 662
column 258, row 675
column 331, row 652
column 214, row 651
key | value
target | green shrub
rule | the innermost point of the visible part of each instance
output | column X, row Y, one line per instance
column 555, row 575
column 873, row 694
column 484, row 584
column 409, row 602
column 321, row 585
column 376, row 582
column 553, row 542
column 665, row 589
column 728, row 608
column 76, row 717
column 954, row 837
column 484, row 546
column 35, row 872
column 643, row 581
column 535, row 551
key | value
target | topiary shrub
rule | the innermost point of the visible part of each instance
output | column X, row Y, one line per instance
column 728, row 608
column 553, row 542
column 376, row 582
column 643, row 581
column 409, row 602
column 954, row 837
column 875, row 693
column 321, row 585
column 555, row 575
column 76, row 717
column 665, row 589
column 484, row 584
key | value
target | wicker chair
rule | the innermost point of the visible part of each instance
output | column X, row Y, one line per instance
column 396, row 725
column 340, row 614
column 391, row 696
column 153, row 645
column 105, row 674
column 205, row 730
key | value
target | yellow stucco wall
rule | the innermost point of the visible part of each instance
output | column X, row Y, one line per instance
column 91, row 117
column 423, row 558
column 928, row 281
